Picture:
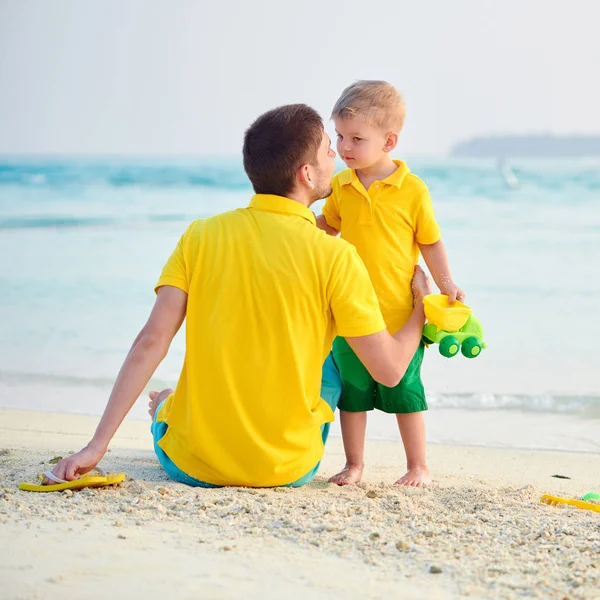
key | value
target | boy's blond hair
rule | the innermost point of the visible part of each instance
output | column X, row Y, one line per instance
column 377, row 101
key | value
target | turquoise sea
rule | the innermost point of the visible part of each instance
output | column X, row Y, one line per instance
column 82, row 243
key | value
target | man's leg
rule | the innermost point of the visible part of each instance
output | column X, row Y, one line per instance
column 159, row 429
column 331, row 390
column 156, row 399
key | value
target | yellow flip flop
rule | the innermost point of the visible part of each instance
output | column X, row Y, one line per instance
column 87, row 480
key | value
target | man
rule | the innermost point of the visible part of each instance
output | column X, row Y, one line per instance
column 263, row 292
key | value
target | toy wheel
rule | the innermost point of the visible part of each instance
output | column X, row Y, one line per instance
column 471, row 347
column 449, row 346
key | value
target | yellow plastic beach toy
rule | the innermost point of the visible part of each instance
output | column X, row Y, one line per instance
column 87, row 480
column 442, row 315
column 554, row 500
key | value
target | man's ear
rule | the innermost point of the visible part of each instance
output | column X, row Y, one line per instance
column 304, row 176
column 390, row 142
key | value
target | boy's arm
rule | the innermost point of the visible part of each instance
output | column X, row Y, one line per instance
column 328, row 229
column 330, row 220
column 147, row 352
column 436, row 258
column 427, row 234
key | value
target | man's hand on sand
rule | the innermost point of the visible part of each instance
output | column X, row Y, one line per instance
column 421, row 285
column 76, row 465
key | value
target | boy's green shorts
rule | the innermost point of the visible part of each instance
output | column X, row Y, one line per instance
column 360, row 392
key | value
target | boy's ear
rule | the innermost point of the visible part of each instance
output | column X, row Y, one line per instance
column 390, row 142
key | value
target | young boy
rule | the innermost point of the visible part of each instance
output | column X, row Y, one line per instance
column 385, row 211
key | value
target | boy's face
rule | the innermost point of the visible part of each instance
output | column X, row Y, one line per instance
column 359, row 144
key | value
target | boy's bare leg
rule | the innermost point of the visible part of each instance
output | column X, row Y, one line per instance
column 354, row 429
column 412, row 430
column 156, row 398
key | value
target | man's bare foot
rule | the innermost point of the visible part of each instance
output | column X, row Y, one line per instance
column 156, row 398
column 415, row 477
column 348, row 475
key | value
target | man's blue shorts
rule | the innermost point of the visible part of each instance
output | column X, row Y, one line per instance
column 331, row 390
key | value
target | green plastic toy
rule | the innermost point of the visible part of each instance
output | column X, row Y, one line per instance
column 592, row 496
column 453, row 328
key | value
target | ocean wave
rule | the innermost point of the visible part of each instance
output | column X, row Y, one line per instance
column 69, row 222
column 481, row 178
column 227, row 175
column 587, row 406
column 68, row 381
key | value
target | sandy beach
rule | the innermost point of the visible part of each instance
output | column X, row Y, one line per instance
column 479, row 531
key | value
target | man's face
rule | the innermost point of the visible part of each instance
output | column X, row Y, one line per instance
column 324, row 167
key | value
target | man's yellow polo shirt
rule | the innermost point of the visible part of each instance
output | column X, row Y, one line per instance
column 267, row 293
column 385, row 224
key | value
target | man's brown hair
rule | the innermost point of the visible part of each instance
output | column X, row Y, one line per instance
column 278, row 143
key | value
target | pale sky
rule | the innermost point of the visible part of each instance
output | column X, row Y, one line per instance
column 187, row 77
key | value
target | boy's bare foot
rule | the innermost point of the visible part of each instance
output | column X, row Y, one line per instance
column 348, row 475
column 415, row 477
column 156, row 398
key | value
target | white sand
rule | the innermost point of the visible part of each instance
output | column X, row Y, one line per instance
column 480, row 524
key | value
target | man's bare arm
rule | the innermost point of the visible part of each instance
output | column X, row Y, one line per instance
column 147, row 352
column 387, row 357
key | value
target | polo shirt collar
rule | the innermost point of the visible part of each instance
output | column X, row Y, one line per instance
column 279, row 204
column 348, row 176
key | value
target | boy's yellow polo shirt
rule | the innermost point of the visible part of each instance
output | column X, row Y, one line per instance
column 385, row 224
column 267, row 293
